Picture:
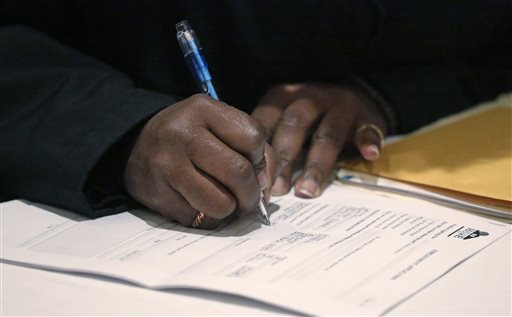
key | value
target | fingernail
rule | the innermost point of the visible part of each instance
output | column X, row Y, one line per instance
column 310, row 188
column 263, row 179
column 370, row 152
column 280, row 186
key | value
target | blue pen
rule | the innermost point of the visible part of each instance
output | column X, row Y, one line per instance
column 196, row 63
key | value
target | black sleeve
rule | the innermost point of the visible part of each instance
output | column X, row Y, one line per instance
column 67, row 123
column 439, row 57
column 422, row 93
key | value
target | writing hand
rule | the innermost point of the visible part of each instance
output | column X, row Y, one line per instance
column 333, row 115
column 200, row 155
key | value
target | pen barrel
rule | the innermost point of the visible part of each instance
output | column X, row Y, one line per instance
column 196, row 62
column 199, row 70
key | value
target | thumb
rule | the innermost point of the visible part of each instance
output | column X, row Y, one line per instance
column 369, row 139
column 271, row 171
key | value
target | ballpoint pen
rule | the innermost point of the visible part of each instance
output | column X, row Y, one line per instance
column 196, row 63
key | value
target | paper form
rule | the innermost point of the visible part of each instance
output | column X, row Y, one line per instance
column 345, row 253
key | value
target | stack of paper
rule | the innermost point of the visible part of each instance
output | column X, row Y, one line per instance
column 347, row 252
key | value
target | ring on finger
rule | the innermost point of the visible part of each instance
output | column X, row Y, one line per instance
column 375, row 129
column 198, row 220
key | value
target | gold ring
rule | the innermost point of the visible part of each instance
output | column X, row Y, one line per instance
column 199, row 219
column 374, row 128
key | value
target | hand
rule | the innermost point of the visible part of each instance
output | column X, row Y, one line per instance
column 200, row 155
column 334, row 115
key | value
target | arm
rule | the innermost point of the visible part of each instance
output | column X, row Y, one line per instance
column 75, row 133
column 61, row 111
column 420, row 94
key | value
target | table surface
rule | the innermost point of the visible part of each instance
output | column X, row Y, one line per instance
column 480, row 286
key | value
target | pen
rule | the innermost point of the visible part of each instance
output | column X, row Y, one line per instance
column 196, row 63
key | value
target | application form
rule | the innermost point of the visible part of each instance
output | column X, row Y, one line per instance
column 347, row 252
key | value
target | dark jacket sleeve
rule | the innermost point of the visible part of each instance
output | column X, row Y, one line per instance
column 61, row 114
column 422, row 93
column 434, row 58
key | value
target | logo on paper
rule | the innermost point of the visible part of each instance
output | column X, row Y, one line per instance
column 465, row 233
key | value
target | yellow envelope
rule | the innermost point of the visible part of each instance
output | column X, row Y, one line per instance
column 469, row 153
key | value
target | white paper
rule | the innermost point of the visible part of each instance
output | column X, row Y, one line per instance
column 345, row 253
column 382, row 184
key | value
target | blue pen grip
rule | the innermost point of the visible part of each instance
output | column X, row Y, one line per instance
column 199, row 70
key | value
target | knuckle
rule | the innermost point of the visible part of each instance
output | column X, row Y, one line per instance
column 256, row 135
column 298, row 116
column 200, row 100
column 285, row 157
column 292, row 121
column 173, row 129
column 241, row 169
column 329, row 137
column 158, row 161
column 202, row 104
column 288, row 87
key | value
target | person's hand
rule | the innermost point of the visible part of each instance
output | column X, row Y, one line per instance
column 334, row 116
column 200, row 155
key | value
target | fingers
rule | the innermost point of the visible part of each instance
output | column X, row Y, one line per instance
column 233, row 152
column 164, row 199
column 224, row 166
column 202, row 191
column 199, row 155
column 268, row 114
column 368, row 139
column 328, row 140
column 203, row 157
column 271, row 106
column 289, row 137
column 236, row 129
column 263, row 176
column 370, row 128
column 341, row 110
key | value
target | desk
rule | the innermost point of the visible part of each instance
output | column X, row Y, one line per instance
column 481, row 286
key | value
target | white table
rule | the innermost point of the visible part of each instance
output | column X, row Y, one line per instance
column 481, row 286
